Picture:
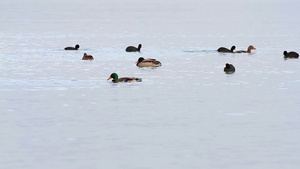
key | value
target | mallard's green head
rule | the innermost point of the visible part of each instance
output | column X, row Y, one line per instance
column 140, row 59
column 113, row 76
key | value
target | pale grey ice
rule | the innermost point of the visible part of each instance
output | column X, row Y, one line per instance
column 59, row 112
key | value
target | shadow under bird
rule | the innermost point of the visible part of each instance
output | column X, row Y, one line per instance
column 72, row 48
column 87, row 57
column 225, row 50
column 147, row 62
column 246, row 51
column 116, row 79
column 229, row 68
column 133, row 49
column 290, row 54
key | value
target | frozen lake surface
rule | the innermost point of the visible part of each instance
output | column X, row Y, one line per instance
column 58, row 111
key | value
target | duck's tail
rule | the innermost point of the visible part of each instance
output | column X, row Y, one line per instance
column 138, row 79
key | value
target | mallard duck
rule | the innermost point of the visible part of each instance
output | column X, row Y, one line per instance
column 87, row 57
column 116, row 79
column 72, row 48
column 290, row 54
column 147, row 62
column 225, row 50
column 229, row 68
column 134, row 49
column 246, row 51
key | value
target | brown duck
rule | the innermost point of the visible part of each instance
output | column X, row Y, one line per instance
column 87, row 57
column 147, row 62
column 246, row 51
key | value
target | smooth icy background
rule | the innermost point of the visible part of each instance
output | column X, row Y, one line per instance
column 59, row 112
